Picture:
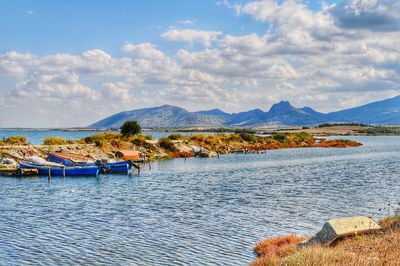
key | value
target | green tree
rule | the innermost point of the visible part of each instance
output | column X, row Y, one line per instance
column 130, row 128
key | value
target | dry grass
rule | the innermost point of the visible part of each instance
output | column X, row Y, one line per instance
column 381, row 248
column 54, row 141
column 337, row 143
column 271, row 250
column 14, row 140
column 219, row 143
column 318, row 256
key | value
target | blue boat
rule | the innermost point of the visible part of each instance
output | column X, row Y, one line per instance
column 62, row 170
column 69, row 159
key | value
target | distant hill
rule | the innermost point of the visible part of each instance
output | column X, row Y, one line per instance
column 159, row 117
column 386, row 112
column 252, row 117
column 214, row 112
column 283, row 113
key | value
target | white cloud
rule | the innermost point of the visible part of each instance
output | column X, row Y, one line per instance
column 382, row 15
column 118, row 90
column 63, row 85
column 236, row 7
column 205, row 38
column 144, row 50
column 308, row 57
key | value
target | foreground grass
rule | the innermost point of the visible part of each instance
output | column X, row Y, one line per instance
column 374, row 249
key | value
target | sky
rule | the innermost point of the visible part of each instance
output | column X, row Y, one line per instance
column 71, row 63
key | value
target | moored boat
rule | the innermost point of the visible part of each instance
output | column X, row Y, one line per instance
column 70, row 159
column 62, row 170
column 121, row 167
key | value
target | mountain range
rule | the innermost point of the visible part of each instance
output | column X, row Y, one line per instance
column 386, row 112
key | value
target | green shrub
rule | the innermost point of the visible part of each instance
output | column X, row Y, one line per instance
column 99, row 143
column 54, row 141
column 15, row 140
column 90, row 139
column 167, row 144
column 130, row 128
column 279, row 137
column 108, row 136
column 303, row 137
column 248, row 137
column 198, row 137
column 175, row 136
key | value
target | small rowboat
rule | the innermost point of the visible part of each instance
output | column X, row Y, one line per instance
column 70, row 159
column 62, row 170
column 122, row 167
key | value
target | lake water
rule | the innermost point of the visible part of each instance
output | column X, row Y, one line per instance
column 194, row 212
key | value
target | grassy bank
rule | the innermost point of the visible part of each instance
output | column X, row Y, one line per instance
column 178, row 145
column 380, row 248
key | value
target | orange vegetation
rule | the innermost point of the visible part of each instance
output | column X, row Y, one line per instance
column 271, row 250
column 337, row 143
column 382, row 248
column 181, row 154
column 177, row 145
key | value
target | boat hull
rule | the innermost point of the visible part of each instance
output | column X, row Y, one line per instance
column 62, row 171
column 117, row 167
column 121, row 167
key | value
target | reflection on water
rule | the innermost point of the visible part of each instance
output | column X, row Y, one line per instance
column 194, row 212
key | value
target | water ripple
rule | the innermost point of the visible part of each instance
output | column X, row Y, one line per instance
column 194, row 212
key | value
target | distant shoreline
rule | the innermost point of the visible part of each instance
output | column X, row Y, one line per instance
column 321, row 130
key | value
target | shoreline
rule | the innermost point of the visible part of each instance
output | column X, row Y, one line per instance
column 319, row 130
column 105, row 145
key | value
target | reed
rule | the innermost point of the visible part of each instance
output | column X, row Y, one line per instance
column 14, row 140
column 54, row 141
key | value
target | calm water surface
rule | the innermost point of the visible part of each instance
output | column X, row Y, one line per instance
column 194, row 212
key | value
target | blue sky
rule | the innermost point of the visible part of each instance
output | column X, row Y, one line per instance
column 70, row 63
column 49, row 26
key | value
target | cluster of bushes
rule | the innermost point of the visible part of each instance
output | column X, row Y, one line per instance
column 167, row 144
column 338, row 143
column 108, row 136
column 249, row 137
column 14, row 140
column 175, row 136
column 379, row 130
column 280, row 137
column 219, row 130
column 304, row 137
column 244, row 130
column 341, row 124
column 54, row 141
column 139, row 140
